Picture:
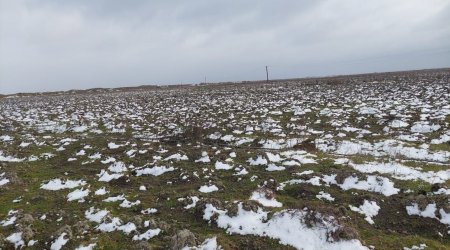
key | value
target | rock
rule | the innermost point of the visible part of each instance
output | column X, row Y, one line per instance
column 143, row 245
column 250, row 205
column 163, row 225
column 435, row 187
column 81, row 227
column 346, row 233
column 268, row 193
column 181, row 239
column 64, row 229
column 422, row 201
column 306, row 145
column 137, row 219
column 340, row 177
column 12, row 176
column 26, row 219
column 2, row 241
column 271, row 184
column 27, row 233
column 200, row 207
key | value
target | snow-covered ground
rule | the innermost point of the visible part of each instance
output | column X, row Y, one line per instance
column 310, row 164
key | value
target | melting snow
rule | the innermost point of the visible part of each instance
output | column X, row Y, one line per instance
column 59, row 242
column 3, row 179
column 221, row 165
column 155, row 171
column 16, row 239
column 106, row 177
column 260, row 197
column 324, row 196
column 368, row 208
column 208, row 244
column 402, row 172
column 58, row 184
column 208, row 189
column 95, row 215
column 376, row 184
column 78, row 194
column 147, row 235
column 288, row 226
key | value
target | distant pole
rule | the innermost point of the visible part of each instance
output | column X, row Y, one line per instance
column 205, row 79
column 267, row 75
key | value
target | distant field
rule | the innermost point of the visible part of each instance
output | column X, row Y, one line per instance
column 345, row 162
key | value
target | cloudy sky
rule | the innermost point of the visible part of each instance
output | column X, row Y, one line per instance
column 61, row 45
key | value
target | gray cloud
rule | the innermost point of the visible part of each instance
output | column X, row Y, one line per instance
column 59, row 45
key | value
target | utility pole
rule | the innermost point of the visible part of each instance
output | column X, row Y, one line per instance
column 205, row 79
column 267, row 75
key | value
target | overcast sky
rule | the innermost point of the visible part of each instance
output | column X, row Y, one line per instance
column 61, row 45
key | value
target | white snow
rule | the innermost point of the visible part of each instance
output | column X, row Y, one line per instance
column 341, row 161
column 31, row 243
column 78, row 194
column 258, row 161
column 107, row 177
column 242, row 171
column 95, row 215
column 208, row 189
column 95, row 156
column 205, row 158
column 177, row 157
column 324, row 196
column 108, row 160
column 112, row 145
column 126, row 203
column 428, row 212
column 261, row 198
column 273, row 157
column 398, row 124
column 373, row 183
column 9, row 221
column 101, row 191
column 111, row 226
column 88, row 247
column 6, row 138
column 9, row 158
column 147, row 235
column 127, row 228
column 208, row 244
column 402, row 172
column 116, row 225
column 220, row 165
column 288, row 226
column 115, row 198
column 368, row 208
column 315, row 181
column 59, row 242
column 272, row 167
column 80, row 153
column 3, row 179
column 149, row 211
column 414, row 247
column 155, row 171
column 442, row 139
column 16, row 239
column 421, row 127
column 392, row 148
column 117, row 167
column 58, row 184
column 194, row 199
column 79, row 129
